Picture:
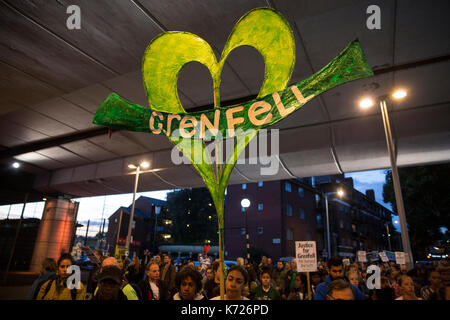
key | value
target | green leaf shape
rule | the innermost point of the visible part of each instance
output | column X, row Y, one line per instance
column 163, row 60
column 267, row 31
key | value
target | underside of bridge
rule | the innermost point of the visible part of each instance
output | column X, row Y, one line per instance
column 53, row 79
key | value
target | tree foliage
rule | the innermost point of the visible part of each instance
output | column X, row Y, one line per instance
column 426, row 198
column 193, row 207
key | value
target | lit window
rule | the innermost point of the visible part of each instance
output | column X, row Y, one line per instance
column 288, row 187
column 289, row 234
column 260, row 184
column 288, row 210
column 260, row 230
column 319, row 220
column 244, row 186
column 301, row 192
column 260, row 206
column 302, row 213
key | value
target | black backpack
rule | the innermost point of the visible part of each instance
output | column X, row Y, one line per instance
column 73, row 292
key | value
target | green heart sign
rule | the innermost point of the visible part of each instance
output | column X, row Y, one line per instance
column 263, row 29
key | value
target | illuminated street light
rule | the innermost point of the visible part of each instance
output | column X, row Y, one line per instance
column 16, row 165
column 245, row 203
column 366, row 103
column 340, row 193
column 398, row 94
column 143, row 164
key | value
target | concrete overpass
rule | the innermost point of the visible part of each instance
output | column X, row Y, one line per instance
column 53, row 79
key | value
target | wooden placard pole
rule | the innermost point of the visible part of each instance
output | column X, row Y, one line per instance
column 309, row 286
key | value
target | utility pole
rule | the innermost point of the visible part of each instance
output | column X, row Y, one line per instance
column 87, row 229
column 13, row 249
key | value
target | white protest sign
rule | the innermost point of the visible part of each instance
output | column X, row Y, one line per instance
column 362, row 257
column 383, row 256
column 346, row 262
column 306, row 255
column 400, row 257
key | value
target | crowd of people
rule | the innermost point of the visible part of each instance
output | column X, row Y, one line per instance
column 155, row 277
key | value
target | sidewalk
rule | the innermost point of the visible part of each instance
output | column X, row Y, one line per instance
column 14, row 293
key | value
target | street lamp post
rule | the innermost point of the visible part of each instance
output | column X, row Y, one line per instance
column 393, row 160
column 136, row 180
column 245, row 203
column 388, row 236
column 340, row 193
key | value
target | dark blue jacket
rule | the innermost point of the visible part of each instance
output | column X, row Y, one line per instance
column 38, row 283
column 321, row 290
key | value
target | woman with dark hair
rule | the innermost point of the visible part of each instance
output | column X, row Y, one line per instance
column 298, row 288
column 48, row 270
column 237, row 279
column 189, row 284
column 56, row 288
column 406, row 285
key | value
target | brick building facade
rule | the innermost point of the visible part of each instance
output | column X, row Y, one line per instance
column 282, row 212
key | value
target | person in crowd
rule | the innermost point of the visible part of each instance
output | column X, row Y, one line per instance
column 414, row 275
column 265, row 291
column 287, row 268
column 403, row 269
column 93, row 274
column 56, row 288
column 323, row 275
column 393, row 275
column 270, row 264
column 134, row 273
column 290, row 279
column 252, row 277
column 48, row 270
column 435, row 290
column 126, row 261
column 211, row 286
column 168, row 273
column 191, row 263
column 263, row 265
column 131, row 291
column 153, row 288
column 189, row 285
column 336, row 269
column 207, row 276
column 145, row 259
column 356, row 279
column 298, row 290
column 277, row 276
column 240, row 261
column 235, row 282
column 157, row 259
column 340, row 289
column 109, row 284
column 315, row 281
column 385, row 293
column 444, row 271
column 406, row 288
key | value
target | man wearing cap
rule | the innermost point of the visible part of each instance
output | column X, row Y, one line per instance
column 127, row 289
column 109, row 284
